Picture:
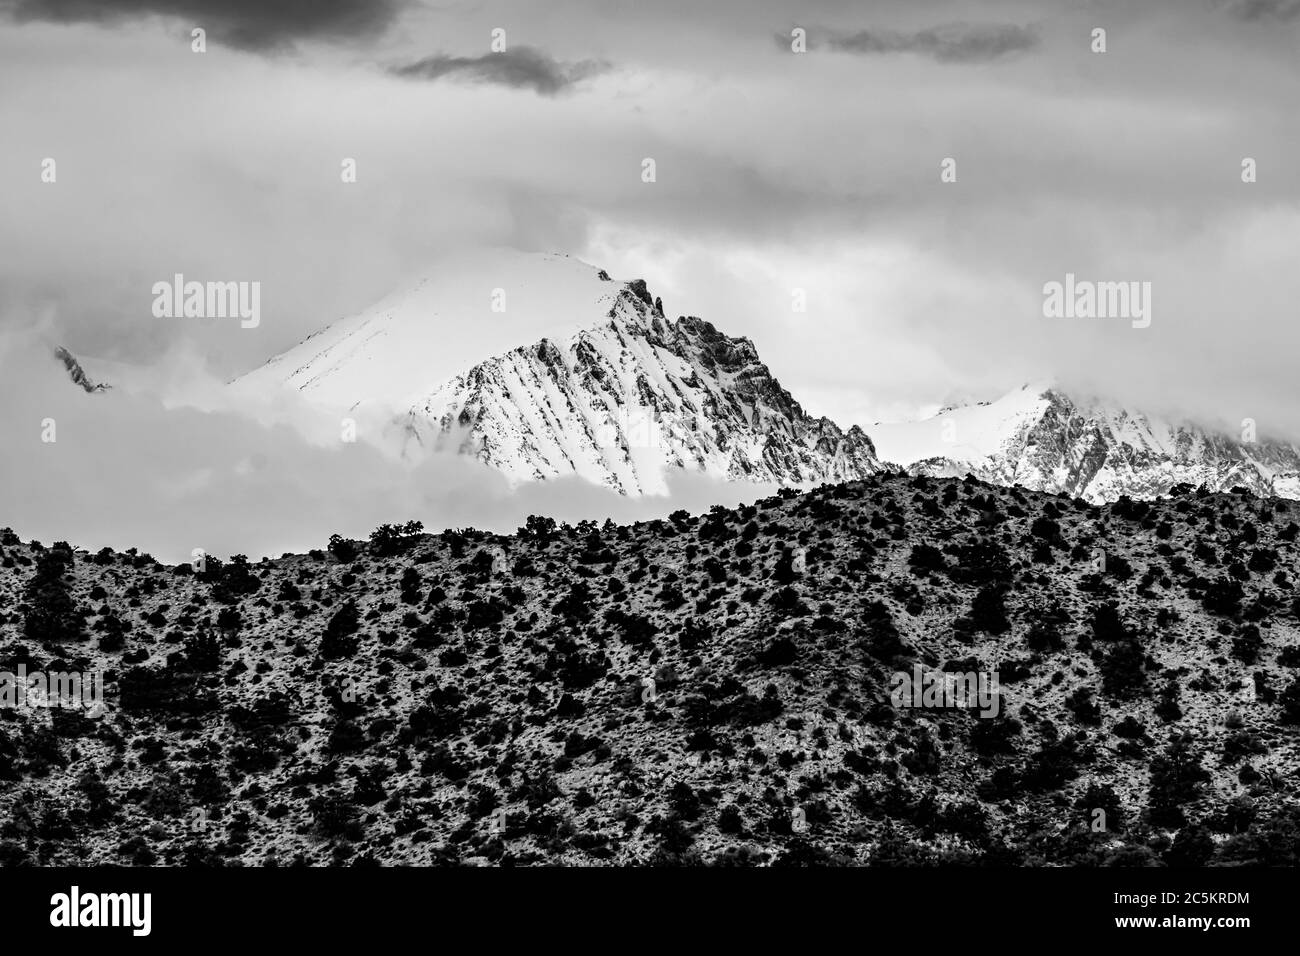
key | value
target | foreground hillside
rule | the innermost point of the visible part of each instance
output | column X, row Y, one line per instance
column 711, row 689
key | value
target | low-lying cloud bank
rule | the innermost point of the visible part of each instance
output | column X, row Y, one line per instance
column 126, row 470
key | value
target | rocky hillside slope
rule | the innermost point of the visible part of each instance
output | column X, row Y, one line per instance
column 718, row 688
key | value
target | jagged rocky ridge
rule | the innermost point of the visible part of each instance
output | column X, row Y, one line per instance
column 620, row 402
column 1047, row 440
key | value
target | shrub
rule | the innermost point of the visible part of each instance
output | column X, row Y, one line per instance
column 1223, row 597
column 165, row 690
column 988, row 612
column 882, row 639
column 339, row 640
column 576, row 605
column 926, row 558
column 635, row 629
column 1085, row 710
column 539, row 529
column 50, row 614
column 1192, row 847
column 1101, row 797
column 342, row 549
column 235, row 580
column 1123, row 669
column 1247, row 645
column 1176, row 779
column 390, row 539
column 335, row 815
column 1167, row 708
column 1107, row 624
column 203, row 650
column 1290, row 701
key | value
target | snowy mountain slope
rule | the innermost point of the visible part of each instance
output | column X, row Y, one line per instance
column 623, row 401
column 1040, row 438
column 610, row 390
column 470, row 307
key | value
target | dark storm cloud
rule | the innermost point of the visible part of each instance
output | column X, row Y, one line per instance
column 519, row 67
column 250, row 24
column 1265, row 9
column 949, row 43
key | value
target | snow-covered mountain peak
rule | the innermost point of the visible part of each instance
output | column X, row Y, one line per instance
column 622, row 402
column 609, row 389
column 1045, row 438
column 468, row 306
column 544, row 366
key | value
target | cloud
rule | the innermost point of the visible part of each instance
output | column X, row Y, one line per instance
column 259, row 25
column 1265, row 9
column 126, row 470
column 915, row 287
column 950, row 43
column 519, row 67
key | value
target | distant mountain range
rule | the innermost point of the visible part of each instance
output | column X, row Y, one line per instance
column 1038, row 437
column 619, row 394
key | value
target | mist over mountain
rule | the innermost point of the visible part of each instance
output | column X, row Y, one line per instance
column 620, row 392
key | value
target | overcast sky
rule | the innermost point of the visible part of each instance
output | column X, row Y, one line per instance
column 775, row 171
